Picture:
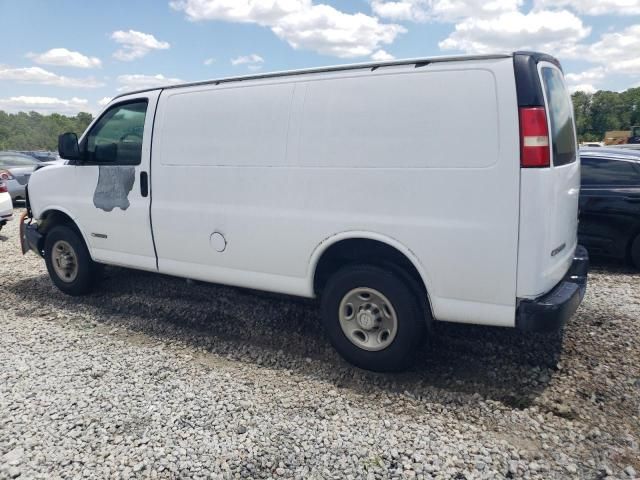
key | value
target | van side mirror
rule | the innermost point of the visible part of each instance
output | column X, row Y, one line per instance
column 68, row 146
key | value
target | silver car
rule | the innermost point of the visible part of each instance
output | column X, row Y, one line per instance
column 15, row 170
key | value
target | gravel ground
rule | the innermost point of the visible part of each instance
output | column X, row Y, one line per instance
column 154, row 377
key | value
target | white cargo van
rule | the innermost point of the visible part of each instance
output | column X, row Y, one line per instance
column 398, row 193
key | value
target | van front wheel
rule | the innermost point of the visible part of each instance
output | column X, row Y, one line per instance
column 68, row 261
column 372, row 318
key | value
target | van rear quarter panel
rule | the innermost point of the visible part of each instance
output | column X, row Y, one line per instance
column 426, row 158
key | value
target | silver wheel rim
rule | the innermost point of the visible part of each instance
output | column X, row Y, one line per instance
column 368, row 319
column 64, row 261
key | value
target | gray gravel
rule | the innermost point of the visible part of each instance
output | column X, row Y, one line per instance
column 154, row 377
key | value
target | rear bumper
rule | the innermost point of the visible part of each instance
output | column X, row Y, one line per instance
column 551, row 311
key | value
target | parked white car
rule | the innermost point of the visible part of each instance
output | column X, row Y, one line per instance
column 399, row 193
column 6, row 205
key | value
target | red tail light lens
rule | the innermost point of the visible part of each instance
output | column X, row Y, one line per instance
column 3, row 187
column 5, row 175
column 534, row 138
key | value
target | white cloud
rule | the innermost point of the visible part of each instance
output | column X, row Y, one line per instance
column 44, row 104
column 263, row 12
column 302, row 24
column 247, row 60
column 209, row 61
column 582, row 87
column 550, row 25
column 593, row 75
column 618, row 51
column 65, row 58
column 441, row 10
column 253, row 62
column 381, row 56
column 104, row 101
column 548, row 31
column 407, row 10
column 629, row 66
column 141, row 82
column 326, row 30
column 594, row 7
column 44, row 77
column 615, row 52
column 136, row 44
column 586, row 81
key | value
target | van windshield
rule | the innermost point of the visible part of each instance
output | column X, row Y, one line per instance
column 563, row 136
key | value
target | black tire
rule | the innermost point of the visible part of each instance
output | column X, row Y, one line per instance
column 87, row 272
column 635, row 252
column 411, row 318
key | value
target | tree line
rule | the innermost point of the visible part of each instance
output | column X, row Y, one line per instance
column 33, row 131
column 596, row 113
column 603, row 111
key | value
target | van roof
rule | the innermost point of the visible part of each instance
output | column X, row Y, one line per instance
column 418, row 62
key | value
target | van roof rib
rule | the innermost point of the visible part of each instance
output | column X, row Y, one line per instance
column 419, row 62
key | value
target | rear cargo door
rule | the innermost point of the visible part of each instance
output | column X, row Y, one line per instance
column 549, row 196
column 565, row 169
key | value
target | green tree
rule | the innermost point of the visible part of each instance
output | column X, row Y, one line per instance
column 603, row 111
column 582, row 108
column 34, row 131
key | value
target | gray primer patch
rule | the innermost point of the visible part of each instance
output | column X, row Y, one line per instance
column 114, row 185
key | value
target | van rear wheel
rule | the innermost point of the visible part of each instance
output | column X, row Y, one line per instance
column 68, row 261
column 373, row 318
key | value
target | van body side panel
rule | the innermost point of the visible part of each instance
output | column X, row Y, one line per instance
column 426, row 157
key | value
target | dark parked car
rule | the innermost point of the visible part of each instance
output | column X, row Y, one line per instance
column 610, row 203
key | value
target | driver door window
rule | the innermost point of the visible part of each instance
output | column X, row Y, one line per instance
column 116, row 138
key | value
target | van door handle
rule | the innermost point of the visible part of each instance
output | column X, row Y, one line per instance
column 144, row 184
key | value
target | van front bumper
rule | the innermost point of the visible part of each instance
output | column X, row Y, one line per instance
column 551, row 311
column 30, row 237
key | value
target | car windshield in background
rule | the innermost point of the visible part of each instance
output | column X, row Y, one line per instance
column 563, row 139
column 13, row 160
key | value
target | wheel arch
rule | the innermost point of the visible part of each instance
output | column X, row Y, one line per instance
column 369, row 247
column 52, row 216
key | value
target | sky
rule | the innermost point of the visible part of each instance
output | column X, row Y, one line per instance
column 68, row 56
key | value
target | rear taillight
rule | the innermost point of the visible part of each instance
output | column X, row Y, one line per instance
column 534, row 138
column 5, row 175
column 3, row 187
